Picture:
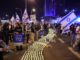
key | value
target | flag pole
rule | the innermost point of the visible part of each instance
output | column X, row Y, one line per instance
column 25, row 4
column 22, row 15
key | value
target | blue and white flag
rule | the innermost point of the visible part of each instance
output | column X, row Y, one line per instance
column 13, row 20
column 17, row 18
column 67, row 21
column 25, row 16
column 18, row 39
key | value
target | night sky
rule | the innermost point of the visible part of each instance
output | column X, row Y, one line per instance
column 9, row 7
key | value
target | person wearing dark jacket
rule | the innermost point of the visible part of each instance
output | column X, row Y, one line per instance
column 2, row 48
column 18, row 30
column 5, row 32
column 73, row 33
column 32, row 33
column 11, row 31
column 45, row 28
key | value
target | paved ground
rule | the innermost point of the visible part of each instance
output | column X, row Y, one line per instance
column 58, row 51
column 14, row 56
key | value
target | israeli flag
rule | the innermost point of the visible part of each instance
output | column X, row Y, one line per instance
column 17, row 18
column 67, row 21
column 25, row 16
column 13, row 20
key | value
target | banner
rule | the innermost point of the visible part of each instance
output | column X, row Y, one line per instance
column 18, row 38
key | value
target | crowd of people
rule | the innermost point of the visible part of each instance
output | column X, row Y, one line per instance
column 74, row 33
column 32, row 32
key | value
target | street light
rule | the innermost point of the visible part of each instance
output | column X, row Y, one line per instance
column 6, row 15
column 33, row 10
column 65, row 10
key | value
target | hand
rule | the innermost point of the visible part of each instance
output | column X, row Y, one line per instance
column 5, row 49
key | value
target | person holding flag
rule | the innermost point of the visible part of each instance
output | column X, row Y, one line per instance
column 24, row 18
column 68, row 20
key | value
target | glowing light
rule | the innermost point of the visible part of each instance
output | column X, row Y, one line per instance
column 65, row 10
column 33, row 10
column 78, row 19
column 73, row 9
column 42, row 20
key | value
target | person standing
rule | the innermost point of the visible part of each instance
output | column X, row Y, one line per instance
column 1, row 53
column 18, row 30
column 77, row 42
column 32, row 33
column 5, row 32
column 73, row 34
column 11, row 32
column 27, row 30
column 1, row 48
column 46, row 30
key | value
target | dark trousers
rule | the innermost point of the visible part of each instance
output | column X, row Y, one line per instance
column 6, row 38
column 1, row 55
column 46, row 32
column 73, row 36
column 79, row 46
column 19, row 48
column 11, row 37
column 27, row 37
